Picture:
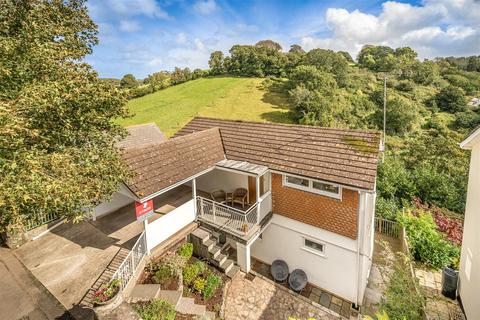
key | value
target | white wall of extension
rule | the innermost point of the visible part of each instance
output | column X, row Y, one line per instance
column 221, row 179
column 335, row 271
column 169, row 224
column 119, row 199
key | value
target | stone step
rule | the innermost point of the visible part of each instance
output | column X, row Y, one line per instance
column 214, row 251
column 143, row 292
column 226, row 265
column 188, row 306
column 209, row 244
column 219, row 259
column 171, row 296
column 211, row 315
column 233, row 271
column 201, row 234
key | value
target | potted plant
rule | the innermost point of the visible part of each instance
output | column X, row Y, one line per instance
column 245, row 228
column 107, row 293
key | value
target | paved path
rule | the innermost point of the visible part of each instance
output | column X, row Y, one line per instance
column 21, row 295
column 261, row 299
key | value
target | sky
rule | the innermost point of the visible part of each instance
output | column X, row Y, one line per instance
column 146, row 36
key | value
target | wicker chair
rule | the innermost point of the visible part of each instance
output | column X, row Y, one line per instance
column 240, row 196
column 218, row 195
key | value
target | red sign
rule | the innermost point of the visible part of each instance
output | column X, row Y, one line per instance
column 143, row 210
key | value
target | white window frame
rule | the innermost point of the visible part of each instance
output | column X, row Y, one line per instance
column 312, row 250
column 310, row 187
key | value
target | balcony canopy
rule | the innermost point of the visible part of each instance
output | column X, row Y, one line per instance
column 242, row 166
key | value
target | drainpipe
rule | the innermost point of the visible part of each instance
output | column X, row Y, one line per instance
column 194, row 194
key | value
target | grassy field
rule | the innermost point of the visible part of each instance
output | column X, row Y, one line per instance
column 225, row 97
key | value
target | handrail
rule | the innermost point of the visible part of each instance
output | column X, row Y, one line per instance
column 229, row 207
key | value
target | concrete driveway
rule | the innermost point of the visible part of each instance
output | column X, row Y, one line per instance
column 21, row 295
column 69, row 260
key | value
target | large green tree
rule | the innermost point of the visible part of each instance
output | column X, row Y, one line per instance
column 57, row 137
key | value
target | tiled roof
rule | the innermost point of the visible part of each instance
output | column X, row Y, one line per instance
column 344, row 156
column 142, row 135
column 163, row 164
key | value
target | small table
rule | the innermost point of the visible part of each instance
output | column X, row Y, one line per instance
column 229, row 197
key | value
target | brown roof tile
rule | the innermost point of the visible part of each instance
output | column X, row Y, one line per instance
column 161, row 165
column 343, row 156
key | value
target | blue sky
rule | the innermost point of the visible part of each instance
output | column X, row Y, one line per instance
column 145, row 36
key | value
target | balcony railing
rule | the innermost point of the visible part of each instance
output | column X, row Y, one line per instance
column 230, row 219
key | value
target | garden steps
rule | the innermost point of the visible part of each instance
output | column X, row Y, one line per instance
column 226, row 266
column 188, row 306
column 214, row 251
column 201, row 234
column 232, row 272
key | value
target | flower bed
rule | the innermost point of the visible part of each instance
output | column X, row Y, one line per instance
column 106, row 292
column 204, row 283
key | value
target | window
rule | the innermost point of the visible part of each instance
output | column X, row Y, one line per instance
column 296, row 181
column 315, row 246
column 314, row 186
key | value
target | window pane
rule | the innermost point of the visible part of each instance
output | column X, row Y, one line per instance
column 297, row 181
column 325, row 187
column 314, row 245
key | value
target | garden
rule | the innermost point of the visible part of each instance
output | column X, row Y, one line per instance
column 180, row 270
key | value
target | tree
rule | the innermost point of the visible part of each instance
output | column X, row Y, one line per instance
column 158, row 80
column 128, row 81
column 451, row 99
column 295, row 48
column 312, row 79
column 426, row 72
column 347, row 56
column 57, row 149
column 216, row 63
column 377, row 58
column 329, row 61
column 269, row 44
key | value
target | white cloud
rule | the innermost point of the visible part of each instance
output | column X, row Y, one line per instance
column 436, row 28
column 199, row 44
column 129, row 25
column 181, row 38
column 205, row 7
column 126, row 8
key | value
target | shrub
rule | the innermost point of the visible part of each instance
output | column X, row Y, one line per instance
column 386, row 208
column 191, row 271
column 199, row 284
column 426, row 243
column 156, row 310
column 401, row 300
column 163, row 273
column 107, row 291
column 185, row 250
column 211, row 286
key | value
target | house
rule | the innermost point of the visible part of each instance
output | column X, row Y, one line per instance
column 469, row 282
column 310, row 194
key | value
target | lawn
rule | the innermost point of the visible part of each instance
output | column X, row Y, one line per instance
column 223, row 97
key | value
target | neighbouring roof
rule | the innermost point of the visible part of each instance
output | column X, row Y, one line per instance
column 242, row 166
column 142, row 135
column 163, row 164
column 343, row 156
column 471, row 139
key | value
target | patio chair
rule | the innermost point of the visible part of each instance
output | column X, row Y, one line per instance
column 218, row 195
column 240, row 196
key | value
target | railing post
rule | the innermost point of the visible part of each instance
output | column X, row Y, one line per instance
column 213, row 210
column 201, row 207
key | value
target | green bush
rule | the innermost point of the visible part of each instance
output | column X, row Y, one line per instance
column 199, row 284
column 163, row 273
column 211, row 286
column 401, row 300
column 386, row 208
column 185, row 250
column 156, row 310
column 427, row 245
column 191, row 271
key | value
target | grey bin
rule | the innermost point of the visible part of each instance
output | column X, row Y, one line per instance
column 449, row 283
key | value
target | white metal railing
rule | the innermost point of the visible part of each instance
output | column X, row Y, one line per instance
column 39, row 220
column 387, row 227
column 228, row 218
column 129, row 266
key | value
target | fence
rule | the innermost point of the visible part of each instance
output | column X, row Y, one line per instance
column 231, row 219
column 129, row 266
column 40, row 220
column 387, row 227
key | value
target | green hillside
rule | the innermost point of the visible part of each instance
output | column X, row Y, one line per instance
column 223, row 97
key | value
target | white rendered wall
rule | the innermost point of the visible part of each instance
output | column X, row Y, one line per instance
column 368, row 235
column 119, row 200
column 169, row 224
column 469, row 286
column 265, row 205
column 336, row 271
column 221, row 179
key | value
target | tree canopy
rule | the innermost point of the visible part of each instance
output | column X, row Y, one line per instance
column 57, row 153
